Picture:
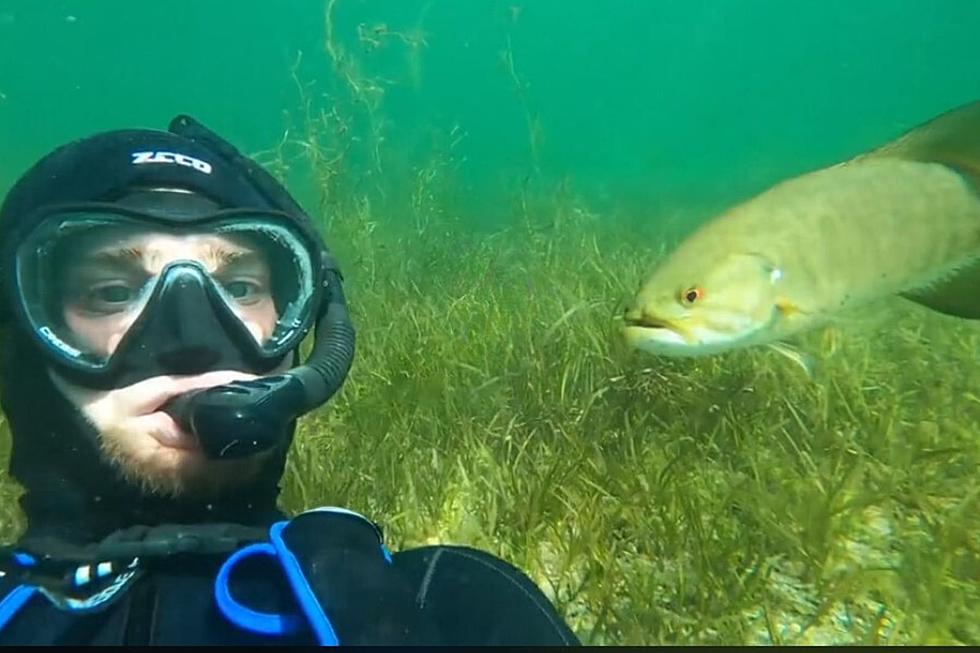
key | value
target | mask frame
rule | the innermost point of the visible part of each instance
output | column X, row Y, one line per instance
column 65, row 357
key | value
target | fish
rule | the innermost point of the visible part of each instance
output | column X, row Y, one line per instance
column 902, row 219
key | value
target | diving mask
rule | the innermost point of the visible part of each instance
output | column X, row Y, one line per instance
column 117, row 296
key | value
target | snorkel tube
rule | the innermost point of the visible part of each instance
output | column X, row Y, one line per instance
column 244, row 417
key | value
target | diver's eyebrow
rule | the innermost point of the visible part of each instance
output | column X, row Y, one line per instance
column 227, row 257
column 127, row 257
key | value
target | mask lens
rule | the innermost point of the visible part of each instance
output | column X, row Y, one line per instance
column 86, row 279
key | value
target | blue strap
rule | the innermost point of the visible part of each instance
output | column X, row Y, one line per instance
column 276, row 624
column 308, row 602
column 13, row 602
column 257, row 622
column 20, row 595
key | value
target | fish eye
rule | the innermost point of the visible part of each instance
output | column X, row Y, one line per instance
column 692, row 295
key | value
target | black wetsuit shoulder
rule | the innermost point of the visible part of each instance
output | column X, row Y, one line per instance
column 456, row 596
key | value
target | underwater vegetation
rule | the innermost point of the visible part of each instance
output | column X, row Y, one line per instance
column 494, row 403
column 721, row 500
column 660, row 501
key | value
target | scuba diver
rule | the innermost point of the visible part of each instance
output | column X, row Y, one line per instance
column 156, row 288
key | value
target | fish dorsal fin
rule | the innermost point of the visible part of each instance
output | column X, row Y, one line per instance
column 952, row 139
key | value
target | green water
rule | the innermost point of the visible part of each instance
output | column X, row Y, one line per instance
column 651, row 103
column 721, row 500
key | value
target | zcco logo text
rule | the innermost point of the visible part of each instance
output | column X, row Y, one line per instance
column 172, row 157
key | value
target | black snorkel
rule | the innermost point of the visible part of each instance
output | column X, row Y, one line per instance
column 245, row 417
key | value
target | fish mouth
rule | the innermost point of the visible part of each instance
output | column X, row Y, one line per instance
column 648, row 322
column 659, row 335
column 665, row 337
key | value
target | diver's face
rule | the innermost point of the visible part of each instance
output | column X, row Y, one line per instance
column 108, row 283
column 104, row 294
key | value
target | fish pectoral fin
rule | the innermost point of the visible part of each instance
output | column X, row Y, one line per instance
column 957, row 295
column 788, row 308
column 804, row 360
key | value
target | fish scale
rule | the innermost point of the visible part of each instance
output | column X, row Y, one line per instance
column 869, row 230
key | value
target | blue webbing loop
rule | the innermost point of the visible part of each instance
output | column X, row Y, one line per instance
column 315, row 615
column 264, row 623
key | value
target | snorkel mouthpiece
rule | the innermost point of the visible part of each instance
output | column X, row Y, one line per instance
column 241, row 418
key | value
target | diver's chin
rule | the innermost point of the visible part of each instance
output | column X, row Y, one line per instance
column 664, row 341
column 161, row 458
column 148, row 447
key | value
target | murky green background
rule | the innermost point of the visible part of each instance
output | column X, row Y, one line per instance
column 642, row 104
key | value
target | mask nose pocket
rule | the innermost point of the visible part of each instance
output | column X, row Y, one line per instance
column 188, row 329
column 189, row 360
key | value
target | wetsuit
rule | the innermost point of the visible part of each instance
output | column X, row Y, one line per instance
column 435, row 595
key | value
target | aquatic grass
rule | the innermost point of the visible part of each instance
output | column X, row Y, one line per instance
column 657, row 501
column 721, row 500
column 12, row 521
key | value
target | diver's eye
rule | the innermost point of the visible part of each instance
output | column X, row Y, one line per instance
column 114, row 294
column 108, row 297
column 244, row 292
column 692, row 295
